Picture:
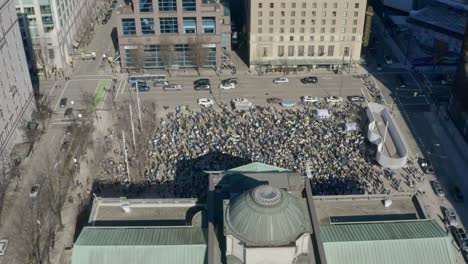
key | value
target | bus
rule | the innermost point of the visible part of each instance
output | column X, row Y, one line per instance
column 147, row 78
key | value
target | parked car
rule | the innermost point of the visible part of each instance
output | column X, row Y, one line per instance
column 239, row 100
column 173, row 87
column 227, row 86
column 401, row 81
column 425, row 166
column 242, row 104
column 461, row 238
column 310, row 79
column 437, row 188
column 160, row 83
column 288, row 103
column 3, row 246
column 34, row 190
column 308, row 99
column 63, row 102
column 68, row 112
column 230, row 80
column 450, row 216
column 379, row 67
column 139, row 83
column 457, row 194
column 202, row 87
column 274, row 100
column 201, row 82
column 280, row 80
column 205, row 102
column 388, row 59
column 356, row 99
column 333, row 99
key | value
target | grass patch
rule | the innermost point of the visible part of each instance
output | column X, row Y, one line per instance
column 100, row 92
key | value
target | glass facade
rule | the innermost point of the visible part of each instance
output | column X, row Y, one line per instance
column 131, row 57
column 209, row 25
column 147, row 26
column 167, row 5
column 168, row 25
column 211, row 57
column 48, row 23
column 45, row 9
column 190, row 25
column 128, row 26
column 182, row 55
column 151, row 58
column 189, row 5
column 146, row 6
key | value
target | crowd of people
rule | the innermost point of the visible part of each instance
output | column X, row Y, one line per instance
column 187, row 143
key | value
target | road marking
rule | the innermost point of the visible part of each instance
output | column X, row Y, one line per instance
column 60, row 97
column 53, row 88
column 80, row 80
column 118, row 89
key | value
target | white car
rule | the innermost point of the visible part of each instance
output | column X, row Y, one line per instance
column 280, row 80
column 3, row 246
column 34, row 190
column 451, row 216
column 307, row 99
column 205, row 102
column 239, row 100
column 333, row 99
column 227, row 86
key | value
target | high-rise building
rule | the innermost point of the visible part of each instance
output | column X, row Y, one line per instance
column 173, row 34
column 293, row 32
column 16, row 93
column 53, row 28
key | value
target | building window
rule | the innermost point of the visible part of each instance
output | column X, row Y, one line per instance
column 147, row 26
column 260, row 13
column 355, row 22
column 314, row 13
column 356, row 13
column 291, row 30
column 302, row 30
column 310, row 51
column 304, row 5
column 303, row 13
column 168, row 25
column 335, row 5
column 322, row 38
column 260, row 5
column 324, row 5
column 333, row 22
column 281, row 38
column 324, row 21
column 182, row 55
column 29, row 11
column 332, row 30
column 314, row 5
column 283, row 5
column 331, row 51
column 272, row 13
column 356, row 5
column 209, row 25
column 292, row 22
column 312, row 21
column 281, row 30
column 167, row 5
column 259, row 22
column 45, row 9
column 131, row 57
column 321, row 50
column 51, row 54
column 312, row 30
column 48, row 23
column 293, row 13
column 282, row 22
column 270, row 22
column 272, row 5
column 344, row 21
column 32, row 21
column 324, row 13
column 353, row 38
column 189, row 5
column 301, row 38
column 312, row 38
column 302, row 21
column 270, row 30
column 211, row 58
column 322, row 30
column 264, row 52
column 151, row 58
column 146, row 6
column 128, row 26
column 260, row 30
column 290, row 51
column 334, row 14
column 190, row 25
column 346, row 52
column 293, row 5
column 291, row 38
column 300, row 51
column 354, row 30
column 280, row 51
column 343, row 30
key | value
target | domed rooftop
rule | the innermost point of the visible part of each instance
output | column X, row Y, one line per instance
column 267, row 216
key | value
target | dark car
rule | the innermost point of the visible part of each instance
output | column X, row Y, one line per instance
column 63, row 102
column 201, row 82
column 229, row 81
column 310, row 79
column 200, row 87
column 401, row 81
column 68, row 112
column 425, row 166
column 139, row 83
column 356, row 99
column 274, row 100
column 143, row 88
column 457, row 194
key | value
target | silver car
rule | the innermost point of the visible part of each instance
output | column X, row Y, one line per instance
column 451, row 216
column 173, row 87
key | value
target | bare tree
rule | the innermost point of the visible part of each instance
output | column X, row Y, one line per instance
column 44, row 111
column 197, row 53
column 41, row 56
column 167, row 54
column 90, row 104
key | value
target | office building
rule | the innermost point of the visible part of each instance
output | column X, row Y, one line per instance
column 315, row 33
column 173, row 34
column 53, row 29
column 16, row 93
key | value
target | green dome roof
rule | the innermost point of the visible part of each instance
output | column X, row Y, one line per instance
column 267, row 216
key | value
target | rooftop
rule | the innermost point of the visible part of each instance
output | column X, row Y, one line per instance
column 123, row 245
column 420, row 241
column 364, row 207
column 161, row 212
